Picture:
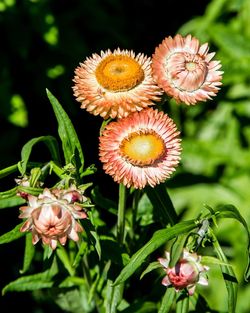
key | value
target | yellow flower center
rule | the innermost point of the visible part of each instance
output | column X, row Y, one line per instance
column 143, row 149
column 119, row 73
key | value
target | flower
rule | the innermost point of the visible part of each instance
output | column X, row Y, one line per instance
column 187, row 273
column 184, row 70
column 52, row 216
column 140, row 149
column 114, row 84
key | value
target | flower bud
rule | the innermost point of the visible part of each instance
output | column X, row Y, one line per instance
column 187, row 273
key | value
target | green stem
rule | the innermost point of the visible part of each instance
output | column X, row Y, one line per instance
column 121, row 214
column 136, row 198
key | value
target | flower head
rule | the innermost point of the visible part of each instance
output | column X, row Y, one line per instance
column 184, row 70
column 52, row 216
column 187, row 273
column 113, row 84
column 140, row 149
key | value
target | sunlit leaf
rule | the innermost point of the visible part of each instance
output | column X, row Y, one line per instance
column 70, row 142
column 158, row 239
column 51, row 143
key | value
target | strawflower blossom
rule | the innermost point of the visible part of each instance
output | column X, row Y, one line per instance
column 114, row 84
column 140, row 149
column 187, row 273
column 185, row 71
column 52, row 216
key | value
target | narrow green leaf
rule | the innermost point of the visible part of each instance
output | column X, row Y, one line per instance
column 8, row 193
column 210, row 260
column 8, row 170
column 162, row 204
column 82, row 249
column 231, row 211
column 12, row 235
column 33, row 282
column 177, row 249
column 70, row 142
column 9, row 198
column 11, row 202
column 113, row 297
column 51, row 143
column 152, row 266
column 228, row 274
column 182, row 304
column 158, row 239
column 167, row 300
column 28, row 253
column 63, row 256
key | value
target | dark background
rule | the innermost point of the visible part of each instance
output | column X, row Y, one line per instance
column 84, row 27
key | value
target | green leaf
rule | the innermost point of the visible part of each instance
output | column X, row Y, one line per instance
column 113, row 297
column 11, row 202
column 162, row 204
column 82, row 249
column 8, row 170
column 51, row 143
column 12, row 235
column 167, row 300
column 63, row 256
column 177, row 249
column 182, row 304
column 28, row 253
column 228, row 274
column 70, row 142
column 152, row 266
column 33, row 282
column 158, row 239
column 230, row 211
column 73, row 300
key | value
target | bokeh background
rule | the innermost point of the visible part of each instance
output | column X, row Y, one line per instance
column 42, row 42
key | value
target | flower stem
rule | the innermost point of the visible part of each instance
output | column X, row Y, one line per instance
column 121, row 214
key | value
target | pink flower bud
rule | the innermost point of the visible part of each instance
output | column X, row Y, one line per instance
column 187, row 272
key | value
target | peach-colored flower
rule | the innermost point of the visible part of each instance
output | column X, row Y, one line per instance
column 140, row 149
column 113, row 84
column 184, row 70
column 187, row 273
column 52, row 216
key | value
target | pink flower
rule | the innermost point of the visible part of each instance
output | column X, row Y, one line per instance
column 140, row 149
column 114, row 84
column 187, row 273
column 52, row 216
column 185, row 71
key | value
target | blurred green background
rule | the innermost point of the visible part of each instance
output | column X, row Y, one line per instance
column 42, row 41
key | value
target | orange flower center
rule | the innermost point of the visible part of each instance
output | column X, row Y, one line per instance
column 119, row 73
column 143, row 149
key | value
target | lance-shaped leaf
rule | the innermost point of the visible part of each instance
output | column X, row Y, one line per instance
column 231, row 211
column 228, row 274
column 70, row 143
column 158, row 239
column 12, row 235
column 51, row 143
column 33, row 282
column 8, row 170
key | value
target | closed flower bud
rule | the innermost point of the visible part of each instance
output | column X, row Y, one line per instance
column 187, row 273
